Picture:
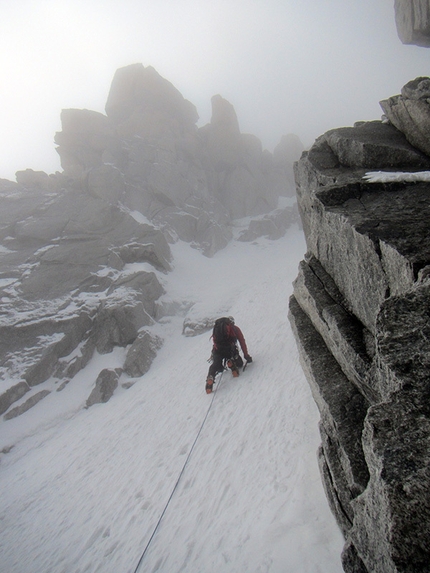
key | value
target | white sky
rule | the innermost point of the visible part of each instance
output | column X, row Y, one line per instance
column 287, row 66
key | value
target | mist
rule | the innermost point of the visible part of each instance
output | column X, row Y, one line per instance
column 286, row 66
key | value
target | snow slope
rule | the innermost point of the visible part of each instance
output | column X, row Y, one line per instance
column 83, row 490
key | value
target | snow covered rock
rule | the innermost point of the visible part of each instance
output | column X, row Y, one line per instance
column 361, row 319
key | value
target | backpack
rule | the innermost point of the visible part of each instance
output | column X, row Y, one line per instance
column 223, row 334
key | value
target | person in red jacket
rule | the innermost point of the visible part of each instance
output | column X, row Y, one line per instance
column 225, row 337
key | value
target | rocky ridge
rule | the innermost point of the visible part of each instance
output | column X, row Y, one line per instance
column 84, row 251
column 360, row 313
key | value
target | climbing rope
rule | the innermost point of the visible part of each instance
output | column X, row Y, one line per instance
column 179, row 477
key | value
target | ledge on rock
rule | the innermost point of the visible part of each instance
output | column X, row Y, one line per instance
column 382, row 228
column 345, row 336
column 341, row 406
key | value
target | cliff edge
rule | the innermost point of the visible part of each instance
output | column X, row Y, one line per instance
column 361, row 316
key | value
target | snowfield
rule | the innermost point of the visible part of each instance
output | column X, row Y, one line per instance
column 234, row 475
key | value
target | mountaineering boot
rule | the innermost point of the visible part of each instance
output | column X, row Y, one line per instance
column 233, row 368
column 209, row 384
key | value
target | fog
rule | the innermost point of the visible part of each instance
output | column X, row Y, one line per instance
column 287, row 66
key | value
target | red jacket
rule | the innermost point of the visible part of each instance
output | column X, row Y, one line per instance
column 236, row 334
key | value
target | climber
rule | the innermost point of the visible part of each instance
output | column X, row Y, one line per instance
column 225, row 335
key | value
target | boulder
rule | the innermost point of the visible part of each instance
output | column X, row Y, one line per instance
column 413, row 21
column 141, row 354
column 118, row 322
column 259, row 228
column 419, row 88
column 106, row 384
column 410, row 113
column 371, row 145
column 12, row 394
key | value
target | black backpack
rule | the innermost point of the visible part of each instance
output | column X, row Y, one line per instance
column 222, row 333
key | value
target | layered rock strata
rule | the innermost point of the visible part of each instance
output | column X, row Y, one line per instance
column 361, row 316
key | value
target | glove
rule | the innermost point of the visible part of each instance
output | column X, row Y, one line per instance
column 248, row 358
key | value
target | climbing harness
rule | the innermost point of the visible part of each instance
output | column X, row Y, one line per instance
column 179, row 478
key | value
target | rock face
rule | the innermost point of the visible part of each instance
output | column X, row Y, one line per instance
column 84, row 251
column 190, row 180
column 413, row 21
column 360, row 313
column 71, row 281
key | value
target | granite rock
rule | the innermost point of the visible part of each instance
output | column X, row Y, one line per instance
column 105, row 386
column 410, row 112
column 360, row 314
column 141, row 354
column 413, row 21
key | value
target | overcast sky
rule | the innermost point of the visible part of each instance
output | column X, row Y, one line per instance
column 287, row 66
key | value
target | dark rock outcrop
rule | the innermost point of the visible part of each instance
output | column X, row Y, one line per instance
column 361, row 317
column 413, row 21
